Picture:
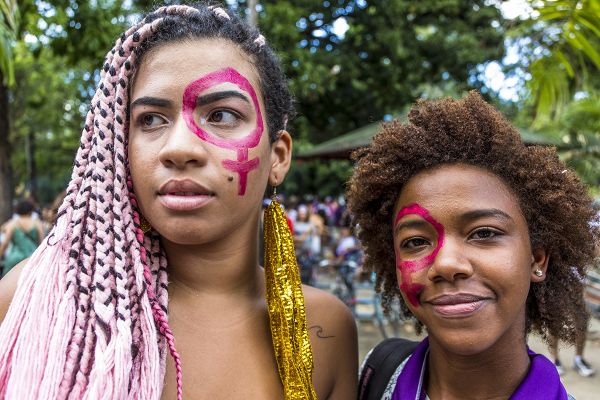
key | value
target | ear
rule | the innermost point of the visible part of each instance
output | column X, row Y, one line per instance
column 281, row 158
column 539, row 262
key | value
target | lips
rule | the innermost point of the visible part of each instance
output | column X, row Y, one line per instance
column 184, row 195
column 458, row 305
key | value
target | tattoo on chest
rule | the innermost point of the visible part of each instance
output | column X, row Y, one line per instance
column 320, row 333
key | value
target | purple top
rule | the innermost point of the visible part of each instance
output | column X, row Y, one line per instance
column 542, row 380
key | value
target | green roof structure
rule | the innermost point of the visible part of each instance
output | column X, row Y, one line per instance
column 341, row 146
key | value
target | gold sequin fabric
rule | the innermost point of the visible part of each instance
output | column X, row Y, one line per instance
column 287, row 313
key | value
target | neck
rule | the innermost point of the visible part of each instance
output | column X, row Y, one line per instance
column 492, row 374
column 225, row 268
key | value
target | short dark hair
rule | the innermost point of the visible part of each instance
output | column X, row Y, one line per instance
column 553, row 200
column 207, row 23
column 24, row 207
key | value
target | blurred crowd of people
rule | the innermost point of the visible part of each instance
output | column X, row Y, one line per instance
column 324, row 240
column 24, row 230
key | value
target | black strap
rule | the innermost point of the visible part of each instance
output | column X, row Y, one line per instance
column 381, row 365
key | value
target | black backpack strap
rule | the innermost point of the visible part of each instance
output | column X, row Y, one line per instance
column 381, row 365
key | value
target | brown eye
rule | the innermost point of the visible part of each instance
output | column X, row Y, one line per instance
column 414, row 243
column 484, row 234
column 151, row 120
column 223, row 117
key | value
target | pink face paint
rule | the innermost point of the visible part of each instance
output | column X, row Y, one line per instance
column 242, row 165
column 407, row 268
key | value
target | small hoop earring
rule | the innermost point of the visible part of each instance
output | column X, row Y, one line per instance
column 538, row 272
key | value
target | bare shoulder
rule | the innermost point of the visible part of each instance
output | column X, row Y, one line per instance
column 8, row 225
column 8, row 287
column 321, row 305
column 333, row 337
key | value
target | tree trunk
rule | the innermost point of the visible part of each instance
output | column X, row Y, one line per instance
column 252, row 14
column 5, row 168
column 31, row 168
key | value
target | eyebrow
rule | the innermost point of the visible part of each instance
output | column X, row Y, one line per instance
column 413, row 223
column 151, row 101
column 212, row 97
column 486, row 213
column 466, row 217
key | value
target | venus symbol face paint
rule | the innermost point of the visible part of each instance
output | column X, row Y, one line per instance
column 408, row 267
column 241, row 144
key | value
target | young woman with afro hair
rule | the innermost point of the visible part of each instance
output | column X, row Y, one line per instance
column 484, row 239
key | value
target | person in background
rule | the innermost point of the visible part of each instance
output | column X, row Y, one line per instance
column 348, row 258
column 580, row 365
column 23, row 234
column 308, row 228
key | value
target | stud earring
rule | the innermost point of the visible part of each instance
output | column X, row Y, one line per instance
column 538, row 272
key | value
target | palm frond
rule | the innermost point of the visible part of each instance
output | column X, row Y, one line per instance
column 566, row 54
column 9, row 18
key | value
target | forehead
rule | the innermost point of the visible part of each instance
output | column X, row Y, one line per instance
column 169, row 68
column 453, row 189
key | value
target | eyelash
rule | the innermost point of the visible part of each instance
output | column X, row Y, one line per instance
column 495, row 233
column 235, row 114
column 406, row 242
column 141, row 122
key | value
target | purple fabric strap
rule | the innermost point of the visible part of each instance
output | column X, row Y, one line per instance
column 542, row 380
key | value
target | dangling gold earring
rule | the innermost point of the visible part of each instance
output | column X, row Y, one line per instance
column 287, row 314
column 144, row 224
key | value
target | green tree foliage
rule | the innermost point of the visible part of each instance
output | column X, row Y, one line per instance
column 578, row 128
column 560, row 47
column 47, row 124
column 60, row 47
column 319, row 178
column 392, row 52
column 9, row 22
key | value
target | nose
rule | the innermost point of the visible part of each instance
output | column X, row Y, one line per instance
column 451, row 262
column 182, row 148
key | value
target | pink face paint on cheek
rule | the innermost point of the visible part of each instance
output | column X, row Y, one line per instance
column 242, row 145
column 242, row 166
column 407, row 268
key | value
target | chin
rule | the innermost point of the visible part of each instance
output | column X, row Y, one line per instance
column 463, row 343
column 183, row 235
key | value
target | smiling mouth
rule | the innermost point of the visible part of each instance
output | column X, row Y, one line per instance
column 458, row 305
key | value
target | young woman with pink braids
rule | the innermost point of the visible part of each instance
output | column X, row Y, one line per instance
column 187, row 127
